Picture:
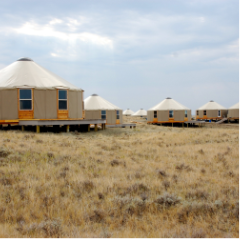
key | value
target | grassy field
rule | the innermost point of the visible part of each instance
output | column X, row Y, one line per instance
column 146, row 182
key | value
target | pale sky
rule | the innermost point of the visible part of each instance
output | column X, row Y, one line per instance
column 133, row 53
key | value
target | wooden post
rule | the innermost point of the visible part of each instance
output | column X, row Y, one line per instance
column 102, row 126
column 183, row 125
column 172, row 124
column 89, row 128
column 67, row 128
column 187, row 125
column 95, row 127
column 38, row 129
column 23, row 129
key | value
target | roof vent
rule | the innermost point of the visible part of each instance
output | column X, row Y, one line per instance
column 128, row 108
column 211, row 100
column 168, row 98
column 24, row 59
column 94, row 95
column 141, row 108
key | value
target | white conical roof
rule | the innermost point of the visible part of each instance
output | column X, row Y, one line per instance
column 25, row 73
column 211, row 105
column 169, row 104
column 140, row 112
column 234, row 107
column 96, row 102
column 128, row 112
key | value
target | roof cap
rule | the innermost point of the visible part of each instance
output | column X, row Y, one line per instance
column 94, row 94
column 168, row 98
column 24, row 59
column 211, row 100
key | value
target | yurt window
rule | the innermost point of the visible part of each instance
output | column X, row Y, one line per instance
column 185, row 113
column 204, row 112
column 219, row 113
column 25, row 96
column 62, row 99
column 118, row 116
column 103, row 114
column 170, row 113
column 155, row 114
column 197, row 112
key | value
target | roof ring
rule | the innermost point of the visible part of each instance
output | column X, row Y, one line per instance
column 211, row 100
column 94, row 95
column 168, row 98
column 24, row 59
column 141, row 108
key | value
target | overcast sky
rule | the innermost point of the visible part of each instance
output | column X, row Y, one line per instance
column 133, row 53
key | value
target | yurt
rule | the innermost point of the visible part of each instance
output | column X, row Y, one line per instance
column 211, row 110
column 168, row 111
column 98, row 108
column 233, row 112
column 29, row 91
column 128, row 112
column 141, row 113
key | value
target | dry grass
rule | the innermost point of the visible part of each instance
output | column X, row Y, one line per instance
column 145, row 182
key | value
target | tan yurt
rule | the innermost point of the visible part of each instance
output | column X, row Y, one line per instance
column 212, row 110
column 168, row 111
column 233, row 112
column 98, row 108
column 128, row 112
column 140, row 113
column 29, row 91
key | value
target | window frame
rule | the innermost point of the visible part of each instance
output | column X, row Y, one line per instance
column 186, row 114
column 25, row 99
column 172, row 114
column 62, row 99
column 117, row 114
column 155, row 114
column 219, row 111
column 102, row 114
column 197, row 113
column 205, row 112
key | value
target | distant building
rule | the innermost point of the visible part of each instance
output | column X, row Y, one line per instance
column 128, row 112
column 168, row 111
column 98, row 108
column 233, row 112
column 141, row 113
column 29, row 91
column 211, row 110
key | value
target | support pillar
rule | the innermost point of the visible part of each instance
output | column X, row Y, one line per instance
column 102, row 126
column 183, row 125
column 23, row 129
column 172, row 124
column 67, row 128
column 130, row 127
column 95, row 127
column 38, row 129
column 187, row 125
column 89, row 128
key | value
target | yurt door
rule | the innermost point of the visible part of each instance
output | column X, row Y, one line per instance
column 25, row 104
column 117, row 117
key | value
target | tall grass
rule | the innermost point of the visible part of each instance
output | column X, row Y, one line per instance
column 145, row 182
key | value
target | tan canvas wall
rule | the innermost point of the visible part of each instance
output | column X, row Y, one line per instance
column 92, row 114
column 51, row 104
column 162, row 115
column 88, row 114
column 212, row 113
column 150, row 116
column 72, row 104
column 179, row 115
column 9, row 104
column 79, row 108
column 121, row 116
column 111, row 117
column 234, row 113
column 0, row 104
column 189, row 115
column 96, row 114
column 39, row 104
column 200, row 113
